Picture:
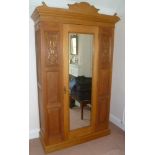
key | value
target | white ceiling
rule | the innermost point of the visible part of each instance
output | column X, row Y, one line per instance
column 105, row 6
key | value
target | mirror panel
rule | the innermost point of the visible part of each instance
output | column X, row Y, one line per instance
column 80, row 79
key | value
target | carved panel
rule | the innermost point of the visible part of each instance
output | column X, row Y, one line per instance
column 52, row 87
column 52, row 48
column 105, row 48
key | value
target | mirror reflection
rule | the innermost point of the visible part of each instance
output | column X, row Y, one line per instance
column 80, row 79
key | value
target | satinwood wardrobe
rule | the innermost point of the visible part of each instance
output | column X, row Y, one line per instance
column 56, row 31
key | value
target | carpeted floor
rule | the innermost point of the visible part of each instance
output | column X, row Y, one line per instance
column 113, row 144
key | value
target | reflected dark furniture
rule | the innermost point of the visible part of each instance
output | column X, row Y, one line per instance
column 80, row 90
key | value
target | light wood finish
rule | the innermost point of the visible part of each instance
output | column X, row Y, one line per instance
column 74, row 141
column 69, row 28
column 51, row 14
column 52, row 26
column 84, row 8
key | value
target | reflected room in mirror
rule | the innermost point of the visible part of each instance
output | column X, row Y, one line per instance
column 80, row 79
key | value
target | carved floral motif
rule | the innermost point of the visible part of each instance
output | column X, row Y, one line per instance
column 106, row 51
column 52, row 48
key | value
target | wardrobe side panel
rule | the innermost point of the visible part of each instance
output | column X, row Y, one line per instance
column 42, row 111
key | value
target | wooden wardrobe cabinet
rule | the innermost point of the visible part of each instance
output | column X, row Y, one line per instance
column 52, row 26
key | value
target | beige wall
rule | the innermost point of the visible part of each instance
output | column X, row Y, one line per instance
column 118, row 79
column 33, row 98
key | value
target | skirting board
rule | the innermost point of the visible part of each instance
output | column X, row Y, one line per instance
column 34, row 133
column 117, row 122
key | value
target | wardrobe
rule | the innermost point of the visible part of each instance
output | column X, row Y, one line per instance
column 53, row 26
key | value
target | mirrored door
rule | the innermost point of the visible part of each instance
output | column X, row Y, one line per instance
column 80, row 79
column 80, row 66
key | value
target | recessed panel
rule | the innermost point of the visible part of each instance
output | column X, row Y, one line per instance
column 103, row 112
column 54, row 121
column 104, row 82
column 52, row 87
column 102, row 109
